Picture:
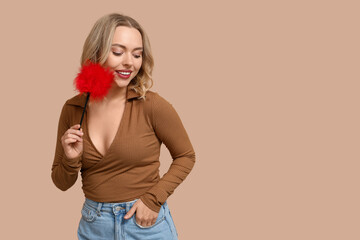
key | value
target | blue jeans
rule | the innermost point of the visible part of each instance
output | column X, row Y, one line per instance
column 105, row 221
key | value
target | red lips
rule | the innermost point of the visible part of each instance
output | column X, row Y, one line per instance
column 123, row 76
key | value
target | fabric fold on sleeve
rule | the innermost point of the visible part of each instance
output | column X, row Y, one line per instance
column 64, row 171
column 170, row 130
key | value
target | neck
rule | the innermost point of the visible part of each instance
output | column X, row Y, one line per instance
column 115, row 95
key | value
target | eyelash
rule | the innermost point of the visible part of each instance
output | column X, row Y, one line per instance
column 119, row 54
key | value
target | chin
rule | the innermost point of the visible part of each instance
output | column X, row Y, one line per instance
column 121, row 82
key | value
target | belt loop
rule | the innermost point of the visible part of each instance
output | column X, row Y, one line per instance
column 98, row 209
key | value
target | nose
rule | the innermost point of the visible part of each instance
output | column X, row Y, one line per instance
column 127, row 60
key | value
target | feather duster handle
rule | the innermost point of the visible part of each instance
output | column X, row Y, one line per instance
column 94, row 80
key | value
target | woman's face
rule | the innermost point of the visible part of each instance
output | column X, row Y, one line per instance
column 125, row 56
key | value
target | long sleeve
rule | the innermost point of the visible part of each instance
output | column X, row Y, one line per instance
column 64, row 171
column 170, row 130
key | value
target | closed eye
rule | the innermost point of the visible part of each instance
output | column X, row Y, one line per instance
column 119, row 54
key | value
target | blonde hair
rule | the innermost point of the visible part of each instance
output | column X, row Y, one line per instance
column 97, row 47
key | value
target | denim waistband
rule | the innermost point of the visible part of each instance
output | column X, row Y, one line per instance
column 115, row 207
column 110, row 206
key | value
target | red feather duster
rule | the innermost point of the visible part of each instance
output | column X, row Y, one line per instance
column 94, row 80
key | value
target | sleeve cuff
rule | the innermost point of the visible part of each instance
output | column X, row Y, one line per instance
column 154, row 200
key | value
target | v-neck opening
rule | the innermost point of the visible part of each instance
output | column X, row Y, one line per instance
column 116, row 134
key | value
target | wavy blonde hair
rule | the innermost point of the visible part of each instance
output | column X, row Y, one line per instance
column 97, row 47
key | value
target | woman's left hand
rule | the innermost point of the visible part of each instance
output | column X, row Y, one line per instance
column 144, row 215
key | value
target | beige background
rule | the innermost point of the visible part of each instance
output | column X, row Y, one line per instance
column 267, row 90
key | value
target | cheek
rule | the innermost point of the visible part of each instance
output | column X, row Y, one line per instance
column 138, row 65
column 111, row 62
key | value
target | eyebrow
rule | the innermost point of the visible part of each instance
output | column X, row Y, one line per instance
column 117, row 44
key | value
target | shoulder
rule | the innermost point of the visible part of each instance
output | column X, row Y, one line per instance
column 158, row 107
column 77, row 100
column 156, row 101
column 155, row 97
column 72, row 108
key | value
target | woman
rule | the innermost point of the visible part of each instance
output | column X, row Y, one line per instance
column 118, row 147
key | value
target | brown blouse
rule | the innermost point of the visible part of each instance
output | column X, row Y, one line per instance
column 130, row 167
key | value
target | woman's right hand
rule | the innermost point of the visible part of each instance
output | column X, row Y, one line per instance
column 72, row 142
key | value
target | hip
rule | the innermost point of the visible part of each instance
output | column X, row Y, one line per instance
column 105, row 220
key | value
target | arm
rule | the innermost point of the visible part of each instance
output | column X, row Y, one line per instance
column 64, row 171
column 170, row 130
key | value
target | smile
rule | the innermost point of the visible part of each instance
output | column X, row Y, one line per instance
column 123, row 75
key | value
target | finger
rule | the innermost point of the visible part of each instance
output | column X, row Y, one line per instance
column 149, row 223
column 76, row 126
column 70, row 135
column 69, row 140
column 141, row 223
column 75, row 131
column 146, row 222
column 153, row 222
column 130, row 212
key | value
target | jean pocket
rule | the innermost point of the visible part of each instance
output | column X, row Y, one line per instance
column 160, row 219
column 88, row 213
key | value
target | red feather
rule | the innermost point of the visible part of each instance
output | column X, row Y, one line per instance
column 94, row 79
